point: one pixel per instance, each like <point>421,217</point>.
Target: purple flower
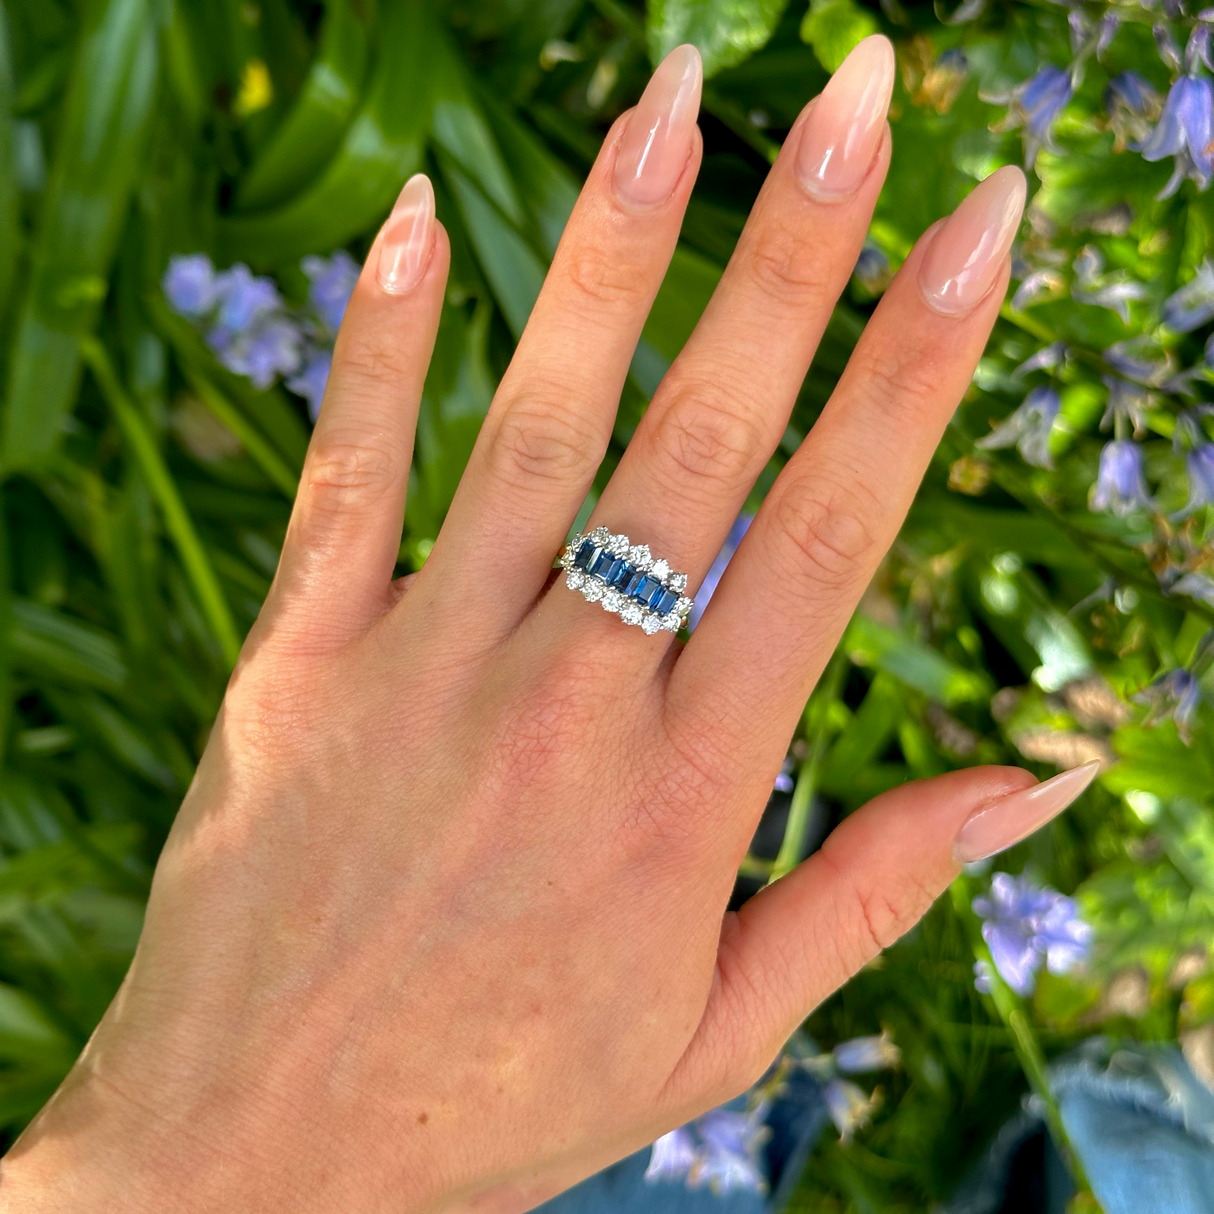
<point>1037,286</point>
<point>1127,403</point>
<point>1027,428</point>
<point>264,351</point>
<point>189,284</point>
<point>1046,359</point>
<point>311,381</point>
<point>1193,305</point>
<point>1165,44</point>
<point>1034,105</point>
<point>1024,925</point>
<point>1184,131</point>
<point>717,570</point>
<point>1113,291</point>
<point>784,780</point>
<point>1193,586</point>
<point>873,271</point>
<point>332,283</point>
<point>1197,52</point>
<point>849,1106</point>
<point>673,1155</point>
<point>1120,486</point>
<point>1174,696</point>
<point>1137,359</point>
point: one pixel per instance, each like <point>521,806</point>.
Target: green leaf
<point>51,645</point>
<point>725,31</point>
<point>27,1033</point>
<point>311,133</point>
<point>834,27</point>
<point>100,146</point>
<point>9,233</point>
<point>380,149</point>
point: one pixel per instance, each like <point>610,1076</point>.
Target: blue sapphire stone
<point>635,582</point>
<point>584,554</point>
<point>664,602</point>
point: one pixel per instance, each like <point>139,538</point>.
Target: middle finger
<point>725,402</point>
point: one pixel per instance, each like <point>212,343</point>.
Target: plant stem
<point>817,713</point>
<point>163,488</point>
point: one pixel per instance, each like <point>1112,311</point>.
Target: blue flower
<point>1197,52</point>
<point>1165,44</point>
<point>1174,696</point>
<point>1127,404</point>
<point>263,351</point>
<point>784,778</point>
<point>1034,105</point>
<point>190,286</point>
<point>1138,359</point>
<point>1199,463</point>
<point>332,283</point>
<point>243,298</point>
<point>1025,925</point>
<point>1120,486</point>
<point>863,1054</point>
<point>873,271</point>
<point>721,1149</point>
<point>849,1105</point>
<point>311,381</point>
<point>1193,305</point>
<point>717,569</point>
<point>1046,359</point>
<point>1184,131</point>
<point>1113,291</point>
<point>1027,428</point>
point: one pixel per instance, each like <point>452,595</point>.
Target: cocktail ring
<point>627,580</point>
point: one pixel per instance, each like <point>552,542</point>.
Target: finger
<point>876,875</point>
<point>548,428</point>
<point>835,509</point>
<point>725,402</point>
<point>335,573</point>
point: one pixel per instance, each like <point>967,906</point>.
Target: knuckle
<point>370,362</point>
<point>604,278</point>
<point>784,266</point>
<point>544,441</point>
<point>345,470</point>
<point>896,381</point>
<point>828,534</point>
<point>705,438</point>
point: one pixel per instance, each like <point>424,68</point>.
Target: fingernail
<point>841,135</point>
<point>1009,819</point>
<point>408,237</point>
<point>967,252</point>
<point>655,147</point>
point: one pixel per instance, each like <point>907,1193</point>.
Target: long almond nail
<point>840,136</point>
<point>655,147</point>
<point>1014,817</point>
<point>967,252</point>
<point>408,240</point>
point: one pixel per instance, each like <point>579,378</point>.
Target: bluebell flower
<point>189,284</point>
<point>1046,359</point>
<point>716,571</point>
<point>332,282</point>
<point>722,1149</point>
<point>312,379</point>
<point>873,271</point>
<point>1126,403</point>
<point>242,298</point>
<point>264,351</point>
<point>1027,428</point>
<point>861,1055</point>
<point>1113,291</point>
<point>1120,485</point>
<point>784,779</point>
<point>1193,305</point>
<point>1165,44</point>
<point>1131,105</point>
<point>1034,105</point>
<point>1197,51</point>
<point>850,1107</point>
<point>1184,131</point>
<point>1025,925</point>
<point>1036,287</point>
<point>1139,359</point>
<point>1193,586</point>
<point>1174,696</point>
<point>1199,463</point>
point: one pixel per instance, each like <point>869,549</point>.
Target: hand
<point>441,924</point>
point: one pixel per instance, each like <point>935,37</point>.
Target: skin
<point>441,925</point>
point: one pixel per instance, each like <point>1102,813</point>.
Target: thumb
<point>875,876</point>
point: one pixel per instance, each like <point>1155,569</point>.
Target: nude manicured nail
<point>1014,817</point>
<point>841,134</point>
<point>967,251</point>
<point>408,237</point>
<point>655,147</point>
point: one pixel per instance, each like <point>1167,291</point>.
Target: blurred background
<point>186,188</point>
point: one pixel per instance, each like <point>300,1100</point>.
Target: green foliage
<point>147,489</point>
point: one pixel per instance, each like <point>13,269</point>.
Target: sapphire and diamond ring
<point>627,580</point>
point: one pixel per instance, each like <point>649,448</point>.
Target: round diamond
<point>600,535</point>
<point>613,600</point>
<point>683,608</point>
<point>651,623</point>
<point>660,570</point>
<point>678,581</point>
<point>619,545</point>
<point>631,613</point>
<point>593,590</point>
<point>575,579</point>
<point>671,623</point>
<point>640,557</point>
<point>566,559</point>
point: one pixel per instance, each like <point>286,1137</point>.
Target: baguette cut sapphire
<point>585,554</point>
<point>599,566</point>
<point>664,602</point>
